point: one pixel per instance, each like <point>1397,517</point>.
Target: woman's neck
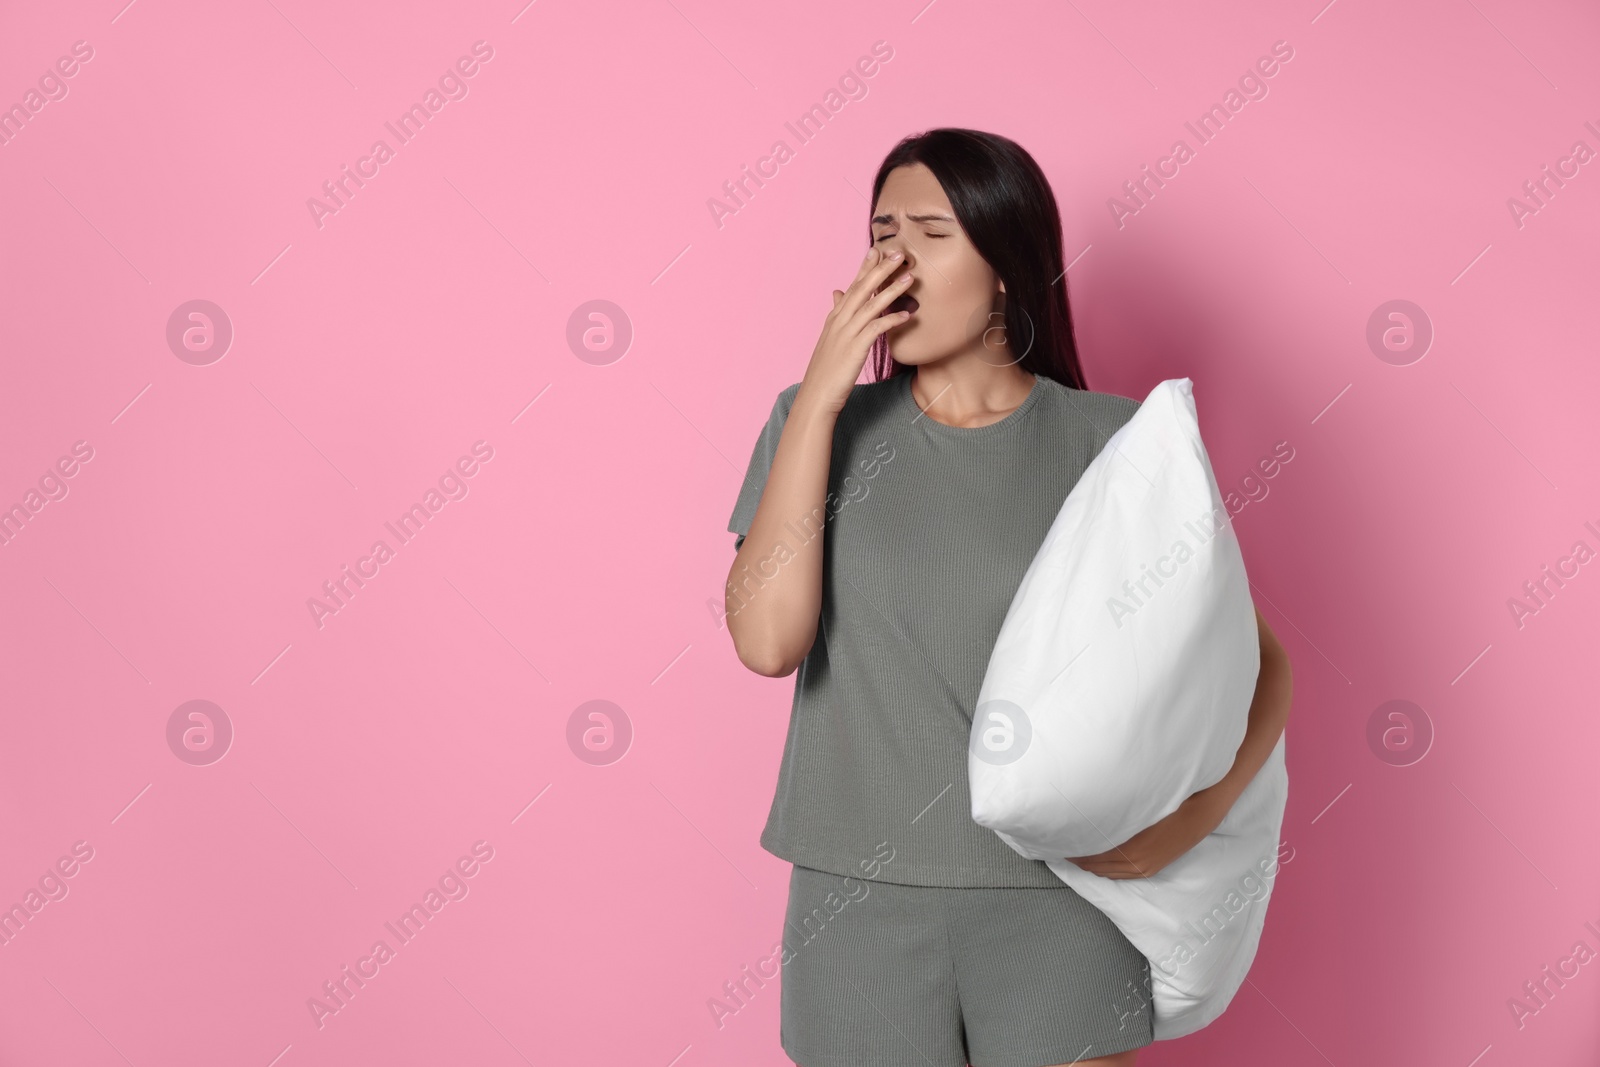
<point>967,392</point>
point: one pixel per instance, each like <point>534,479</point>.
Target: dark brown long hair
<point>1004,203</point>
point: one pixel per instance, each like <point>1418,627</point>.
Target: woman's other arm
<point>1157,845</point>
<point>1269,714</point>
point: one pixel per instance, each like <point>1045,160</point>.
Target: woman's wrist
<point>811,412</point>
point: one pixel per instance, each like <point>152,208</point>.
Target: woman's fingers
<point>882,299</point>
<point>874,258</point>
<point>885,323</point>
<point>862,288</point>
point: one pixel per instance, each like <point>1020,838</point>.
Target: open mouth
<point>903,302</point>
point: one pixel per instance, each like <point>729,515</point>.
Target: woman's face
<point>955,289</point>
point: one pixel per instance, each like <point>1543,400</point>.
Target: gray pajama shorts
<point>877,974</point>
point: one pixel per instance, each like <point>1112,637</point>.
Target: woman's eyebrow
<point>888,220</point>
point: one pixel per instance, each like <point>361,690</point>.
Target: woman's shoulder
<point>1097,406</point>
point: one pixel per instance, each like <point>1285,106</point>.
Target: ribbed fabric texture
<point>929,529</point>
<point>924,976</point>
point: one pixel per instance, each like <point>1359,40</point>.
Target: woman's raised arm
<point>774,588</point>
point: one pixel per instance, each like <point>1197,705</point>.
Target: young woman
<point>883,530</point>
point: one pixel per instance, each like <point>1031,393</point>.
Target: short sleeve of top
<point>755,475</point>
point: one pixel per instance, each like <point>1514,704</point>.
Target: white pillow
<point>1121,683</point>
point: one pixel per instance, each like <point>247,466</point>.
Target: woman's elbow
<point>768,667</point>
<point>765,655</point>
<point>764,659</point>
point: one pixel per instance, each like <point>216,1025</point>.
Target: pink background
<point>432,710</point>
